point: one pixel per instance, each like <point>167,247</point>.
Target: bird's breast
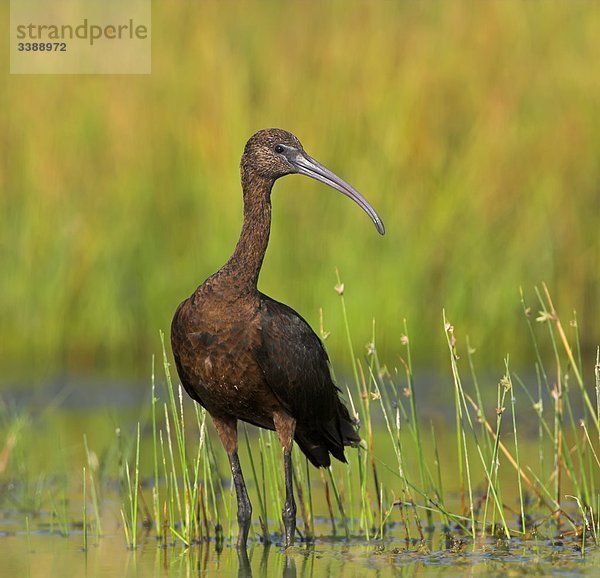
<point>215,349</point>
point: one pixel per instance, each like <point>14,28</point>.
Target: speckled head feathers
<point>266,153</point>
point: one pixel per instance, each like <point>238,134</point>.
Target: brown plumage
<point>244,356</point>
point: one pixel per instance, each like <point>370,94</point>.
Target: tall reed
<point>370,493</point>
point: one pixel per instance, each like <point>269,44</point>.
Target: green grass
<point>472,127</point>
<point>486,486</point>
<point>395,485</point>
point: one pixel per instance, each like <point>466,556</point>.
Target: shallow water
<point>46,468</point>
<point>42,552</point>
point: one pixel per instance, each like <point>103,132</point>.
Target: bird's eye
<point>279,149</point>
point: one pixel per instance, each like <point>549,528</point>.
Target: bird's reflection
<point>244,570</point>
<point>268,564</point>
<point>266,560</point>
<point>289,567</point>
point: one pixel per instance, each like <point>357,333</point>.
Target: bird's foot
<point>244,529</point>
<point>244,517</point>
<point>289,525</point>
<point>242,540</point>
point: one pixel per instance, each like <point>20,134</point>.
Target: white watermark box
<point>80,37</point>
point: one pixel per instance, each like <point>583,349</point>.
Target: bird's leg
<point>244,506</point>
<point>285,426</point>
<point>289,509</point>
<point>227,430</point>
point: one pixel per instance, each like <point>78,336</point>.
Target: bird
<point>245,357</point>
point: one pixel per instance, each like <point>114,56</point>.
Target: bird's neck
<point>243,268</point>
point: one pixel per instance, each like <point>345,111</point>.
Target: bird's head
<point>272,153</point>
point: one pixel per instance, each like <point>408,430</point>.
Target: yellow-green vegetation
<point>520,472</point>
<point>473,127</point>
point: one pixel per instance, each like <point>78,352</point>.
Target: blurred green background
<point>472,127</point>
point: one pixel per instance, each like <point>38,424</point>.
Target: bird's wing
<point>295,363</point>
<point>183,353</point>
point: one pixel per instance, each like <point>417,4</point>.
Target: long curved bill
<point>308,166</point>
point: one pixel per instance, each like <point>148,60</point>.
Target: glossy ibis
<point>244,356</point>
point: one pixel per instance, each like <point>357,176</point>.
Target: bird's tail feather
<point>318,441</point>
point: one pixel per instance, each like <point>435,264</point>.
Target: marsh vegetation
<point>508,476</point>
<point>473,128</point>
